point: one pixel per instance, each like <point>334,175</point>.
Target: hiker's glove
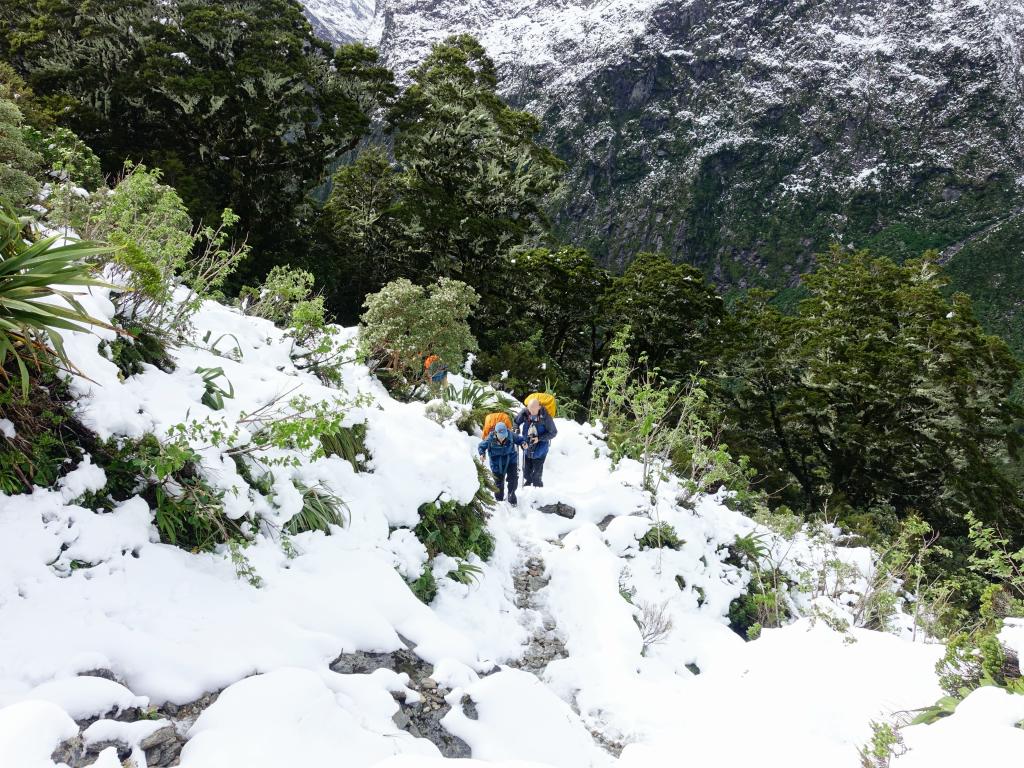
<point>534,440</point>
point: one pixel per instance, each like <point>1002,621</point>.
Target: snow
<point>982,731</point>
<point>82,591</point>
<point>30,731</point>
<point>511,704</point>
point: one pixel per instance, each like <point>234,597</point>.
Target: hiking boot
<point>499,497</point>
<point>512,499</point>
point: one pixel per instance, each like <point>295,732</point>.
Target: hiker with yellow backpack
<point>501,442</point>
<point>537,424</point>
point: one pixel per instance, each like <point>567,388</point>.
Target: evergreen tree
<point>238,103</point>
<point>545,325</point>
<point>474,179</point>
<point>880,396</point>
<point>672,309</point>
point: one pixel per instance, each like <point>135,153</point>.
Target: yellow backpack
<point>492,419</point>
<point>546,400</point>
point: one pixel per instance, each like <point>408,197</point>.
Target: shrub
<point>133,352</point>
<point>19,163</point>
<point>320,510</point>
<point>349,443</point>
<point>405,323</point>
<point>661,534</point>
<point>465,573</point>
<point>30,319</point>
<point>158,247</point>
<point>654,622</point>
<point>425,587</point>
<point>764,602</point>
<point>282,289</point>
<point>458,529</point>
<point>478,401</point>
<point>66,158</point>
<point>45,440</point>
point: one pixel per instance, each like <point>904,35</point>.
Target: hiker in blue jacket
<point>538,428</point>
<point>504,456</point>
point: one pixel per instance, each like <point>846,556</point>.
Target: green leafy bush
<point>283,288</point>
<point>157,247</point>
<point>133,352</point>
<point>458,529</point>
<point>320,510</point>
<point>659,535</point>
<point>349,443</point>
<point>764,601</point>
<point>425,587</point>
<point>405,323</point>
<point>479,401</point>
<point>19,162</point>
<point>31,276</point>
<point>46,439</point>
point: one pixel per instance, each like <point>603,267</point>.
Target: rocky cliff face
<point>744,135</point>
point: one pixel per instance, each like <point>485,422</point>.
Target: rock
<point>422,719</point>
<point>70,752</point>
<point>162,747</point>
<point>560,509</point>
<point>603,525</point>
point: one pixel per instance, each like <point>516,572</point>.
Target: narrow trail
<point>545,644</point>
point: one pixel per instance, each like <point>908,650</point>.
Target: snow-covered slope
<point>102,624</point>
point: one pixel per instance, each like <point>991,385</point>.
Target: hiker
<point>538,427</point>
<point>435,371</point>
<point>502,444</point>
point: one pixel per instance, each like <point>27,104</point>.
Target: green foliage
<point>478,401</point>
<point>349,443</point>
<point>20,163</point>
<point>32,275</point>
<point>243,568</point>
<point>671,310</point>
<point>465,573</point>
<point>46,440</point>
<point>321,509</point>
<point>239,103</point>
<point>458,529</point>
<point>886,743</point>
<point>189,513</point>
<point>214,393</point>
<point>149,214</point>
<point>66,158</point>
<point>468,183</point>
<point>544,322</point>
<point>659,535</point>
<point>633,403</point>
<point>878,393</point>
<point>476,180</point>
<point>283,288</point>
<point>425,587</point>
<point>131,353</point>
<point>158,247</point>
<point>405,323</point>
<point>764,603</point>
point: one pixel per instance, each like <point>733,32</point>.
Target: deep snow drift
<point>173,625</point>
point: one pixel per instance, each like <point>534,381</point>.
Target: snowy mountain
<point>341,21</point>
<point>745,135</point>
<point>572,646</point>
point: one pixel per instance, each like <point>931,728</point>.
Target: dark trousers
<point>512,474</point>
<point>533,472</point>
